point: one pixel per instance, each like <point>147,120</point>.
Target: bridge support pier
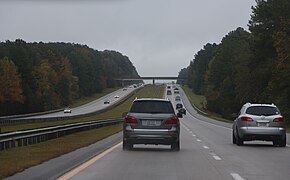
<point>153,81</point>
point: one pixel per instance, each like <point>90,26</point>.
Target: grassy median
<point>17,159</point>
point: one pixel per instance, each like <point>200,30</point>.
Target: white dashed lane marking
<point>205,147</point>
<point>237,176</point>
<point>198,140</point>
<point>216,157</point>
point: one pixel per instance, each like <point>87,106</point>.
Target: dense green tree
<point>11,93</point>
<point>198,67</point>
<point>249,66</point>
<point>10,82</point>
<point>269,25</point>
<point>55,74</point>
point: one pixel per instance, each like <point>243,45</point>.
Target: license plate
<point>263,124</point>
<point>151,123</point>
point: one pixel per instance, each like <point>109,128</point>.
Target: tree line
<point>247,66</point>
<point>44,76</point>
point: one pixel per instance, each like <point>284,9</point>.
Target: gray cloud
<point>159,36</point>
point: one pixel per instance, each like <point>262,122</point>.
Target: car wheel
<point>282,141</point>
<point>234,138</point>
<point>276,142</point>
<point>175,146</point>
<point>239,140</point>
<point>127,145</point>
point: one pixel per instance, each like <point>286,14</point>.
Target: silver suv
<point>259,122</point>
<point>151,121</point>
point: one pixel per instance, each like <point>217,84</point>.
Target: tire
<point>175,146</point>
<point>127,146</point>
<point>234,138</point>
<point>276,142</point>
<point>282,141</point>
<point>239,140</point>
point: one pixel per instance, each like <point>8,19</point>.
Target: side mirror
<point>179,115</point>
<point>124,114</point>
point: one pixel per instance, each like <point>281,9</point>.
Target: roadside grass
<point>85,100</point>
<point>147,91</point>
<point>18,159</point>
<point>200,102</point>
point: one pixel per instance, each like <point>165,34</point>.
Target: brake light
<point>280,119</point>
<point>131,120</point>
<point>245,118</point>
<point>172,120</point>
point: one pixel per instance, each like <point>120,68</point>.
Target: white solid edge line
<point>287,145</point>
<point>81,167</point>
<point>237,176</point>
<point>210,123</point>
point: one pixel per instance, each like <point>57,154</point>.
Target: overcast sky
<point>159,36</point>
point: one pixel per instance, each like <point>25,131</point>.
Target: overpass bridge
<point>153,78</point>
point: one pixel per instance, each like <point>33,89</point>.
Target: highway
<point>206,153</point>
<point>93,106</point>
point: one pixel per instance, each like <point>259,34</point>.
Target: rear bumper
<point>261,133</point>
<point>141,136</point>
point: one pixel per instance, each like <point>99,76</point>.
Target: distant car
<point>182,111</point>
<point>176,92</point>
<point>107,101</point>
<point>116,96</point>
<point>67,110</point>
<point>124,89</point>
<point>169,92</point>
<point>178,106</point>
<point>259,122</point>
<point>168,87</point>
<point>176,89</point>
<point>151,121</point>
<point>177,98</point>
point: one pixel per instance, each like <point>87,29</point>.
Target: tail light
<point>280,119</point>
<point>131,120</point>
<point>172,120</point>
<point>245,118</point>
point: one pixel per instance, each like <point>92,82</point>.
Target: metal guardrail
<point>28,137</point>
<point>30,114</point>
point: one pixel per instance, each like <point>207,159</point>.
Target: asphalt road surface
<point>206,153</point>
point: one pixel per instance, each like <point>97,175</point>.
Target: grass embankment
<point>17,159</point>
<point>200,102</point>
<point>85,100</point>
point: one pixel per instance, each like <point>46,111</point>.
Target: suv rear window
<point>262,110</point>
<point>162,107</point>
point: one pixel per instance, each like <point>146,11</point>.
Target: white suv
<point>259,122</point>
